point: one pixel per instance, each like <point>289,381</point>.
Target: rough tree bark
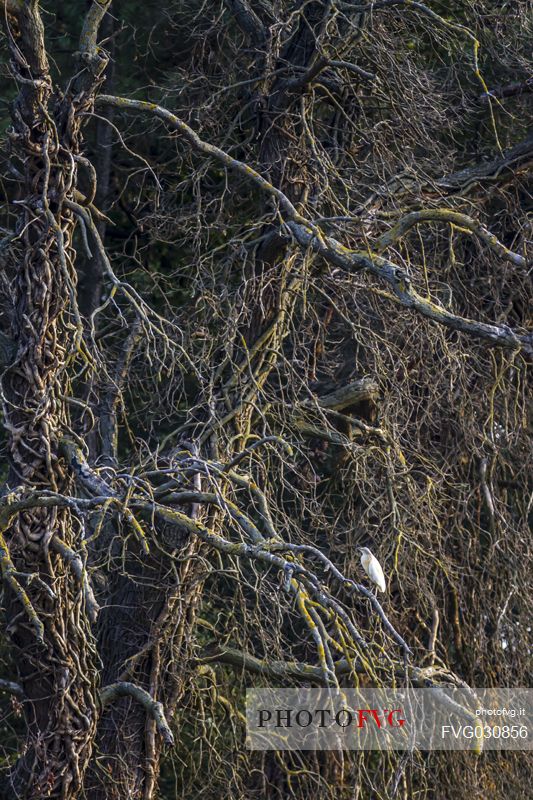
<point>49,621</point>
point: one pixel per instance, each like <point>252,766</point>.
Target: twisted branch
<point>311,237</point>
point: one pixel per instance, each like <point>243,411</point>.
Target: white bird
<point>372,567</point>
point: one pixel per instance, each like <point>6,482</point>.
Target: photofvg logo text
<point>383,719</point>
<point>327,717</point>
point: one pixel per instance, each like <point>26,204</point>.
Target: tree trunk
<point>58,662</point>
<point>144,638</point>
<point>50,624</point>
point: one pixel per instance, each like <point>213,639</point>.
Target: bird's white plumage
<point>373,569</point>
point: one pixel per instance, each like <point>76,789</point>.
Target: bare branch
<point>153,708</point>
<point>207,149</point>
<point>248,21</point>
<point>74,559</point>
<point>354,392</point>
<point>515,89</point>
<point>108,416</point>
<point>309,236</point>
<point>9,576</point>
<point>455,218</point>
<point>517,159</point>
<point>91,24</point>
<point>297,670</point>
<point>369,76</point>
<point>399,281</point>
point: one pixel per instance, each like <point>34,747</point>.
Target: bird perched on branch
<point>372,567</point>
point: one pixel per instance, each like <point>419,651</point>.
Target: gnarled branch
<point>153,708</point>
<point>309,236</point>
